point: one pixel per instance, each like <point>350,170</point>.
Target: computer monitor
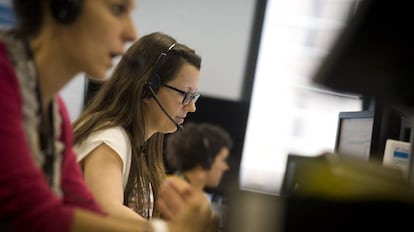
<point>355,134</point>
<point>295,164</point>
<point>317,193</point>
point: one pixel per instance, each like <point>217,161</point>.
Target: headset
<point>154,83</point>
<point>209,155</point>
<point>65,11</point>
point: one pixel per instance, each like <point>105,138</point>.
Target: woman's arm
<point>191,216</point>
<point>26,201</point>
<point>75,191</point>
<point>86,221</point>
<point>102,170</point>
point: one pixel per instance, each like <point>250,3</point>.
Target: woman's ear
<point>145,100</point>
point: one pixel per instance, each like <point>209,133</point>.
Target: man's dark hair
<point>196,144</point>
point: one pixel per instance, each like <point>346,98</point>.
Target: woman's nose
<point>130,32</point>
<point>191,107</point>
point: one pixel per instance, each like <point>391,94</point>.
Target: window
<point>288,113</point>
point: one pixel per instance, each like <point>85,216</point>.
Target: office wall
<point>218,30</point>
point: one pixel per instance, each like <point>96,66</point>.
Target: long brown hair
<point>119,103</point>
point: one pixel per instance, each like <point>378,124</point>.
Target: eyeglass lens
<point>188,97</point>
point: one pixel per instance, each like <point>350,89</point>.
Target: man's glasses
<point>188,96</point>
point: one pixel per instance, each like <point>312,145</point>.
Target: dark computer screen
<point>295,166</point>
<point>316,195</point>
<point>354,134</point>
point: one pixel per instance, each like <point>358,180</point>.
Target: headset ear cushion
<point>156,82</point>
<point>209,156</point>
<point>146,92</point>
<point>65,11</point>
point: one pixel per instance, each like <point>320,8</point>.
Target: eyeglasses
<point>188,96</point>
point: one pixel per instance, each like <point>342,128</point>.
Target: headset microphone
<point>179,127</point>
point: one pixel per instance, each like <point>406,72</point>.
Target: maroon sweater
<point>27,203</point>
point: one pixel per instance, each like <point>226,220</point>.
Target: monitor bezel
<point>353,115</point>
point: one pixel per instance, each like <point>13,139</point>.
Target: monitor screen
<point>354,135</point>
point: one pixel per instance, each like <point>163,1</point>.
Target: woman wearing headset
<point>41,186</point>
<point>119,136</point>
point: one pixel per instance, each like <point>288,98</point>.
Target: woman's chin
<point>97,74</point>
<point>171,130</point>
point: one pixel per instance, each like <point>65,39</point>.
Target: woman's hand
<point>185,208</point>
